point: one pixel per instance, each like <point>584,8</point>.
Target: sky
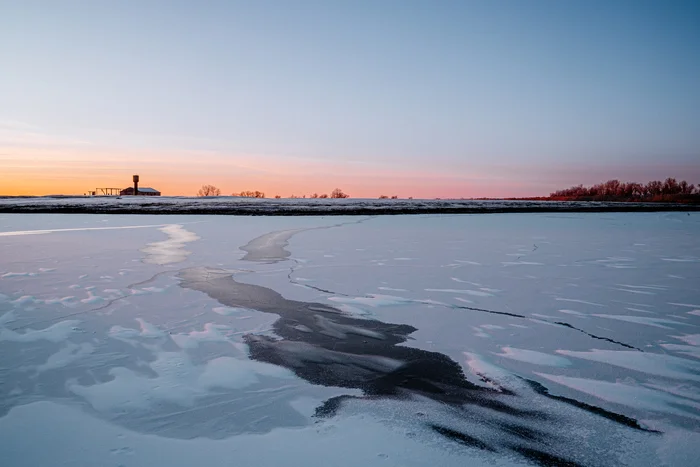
<point>422,98</point>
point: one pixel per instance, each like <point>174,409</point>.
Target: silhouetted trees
<point>250,194</point>
<point>337,193</point>
<point>209,190</point>
<point>613,190</point>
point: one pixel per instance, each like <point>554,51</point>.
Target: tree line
<point>211,190</point>
<point>670,190</point>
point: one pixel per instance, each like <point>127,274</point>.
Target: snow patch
<point>55,333</point>
<point>372,300</point>
<point>177,381</point>
<point>65,356</point>
<point>573,300</point>
<point>534,357</point>
<point>692,339</point>
<point>84,229</point>
<point>666,366</point>
<point>171,250</point>
<point>656,322</point>
<point>637,397</point>
<point>146,331</point>
<point>9,275</point>
<point>211,333</point>
<point>489,374</point>
<point>475,293</point>
<point>572,312</point>
<point>228,311</point>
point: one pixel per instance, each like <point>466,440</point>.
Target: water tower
<point>136,185</point>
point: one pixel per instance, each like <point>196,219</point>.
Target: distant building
<point>142,192</point>
<point>131,191</point>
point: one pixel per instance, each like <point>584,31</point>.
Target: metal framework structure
<point>108,191</point>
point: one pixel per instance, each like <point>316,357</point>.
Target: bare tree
<point>394,197</point>
<point>383,197</point>
<point>209,190</point>
<point>250,194</point>
<point>315,195</point>
<point>338,193</point>
<point>323,196</point>
<point>277,196</point>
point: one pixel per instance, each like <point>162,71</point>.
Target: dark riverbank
<point>311,207</point>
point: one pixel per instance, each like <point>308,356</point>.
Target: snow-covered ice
<point>501,339</point>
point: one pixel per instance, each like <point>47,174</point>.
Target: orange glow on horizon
<point>32,172</point>
<point>171,186</point>
<point>41,171</point>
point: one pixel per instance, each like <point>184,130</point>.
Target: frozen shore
<point>228,205</point>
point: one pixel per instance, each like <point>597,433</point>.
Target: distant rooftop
<point>147,190</point>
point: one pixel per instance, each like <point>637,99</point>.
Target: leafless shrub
<point>338,193</point>
<point>209,190</point>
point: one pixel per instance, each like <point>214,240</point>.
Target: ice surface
<point>86,229</point>
<point>656,322</point>
<point>54,333</point>
<point>64,357</point>
<point>498,340</point>
<point>348,442</point>
<point>476,293</point>
<point>652,363</point>
<point>534,357</point>
<point>227,311</point>
<point>633,396</point>
<point>688,350</point>
<point>372,300</point>
<point>211,333</point>
<point>692,339</point>
<point>147,330</point>
<point>177,381</point>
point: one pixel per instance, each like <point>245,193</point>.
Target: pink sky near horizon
<point>52,169</point>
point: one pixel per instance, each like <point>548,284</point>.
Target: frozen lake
<point>501,339</point>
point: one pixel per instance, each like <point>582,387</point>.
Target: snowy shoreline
<point>300,207</point>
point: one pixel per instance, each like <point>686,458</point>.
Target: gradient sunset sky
<point>415,98</point>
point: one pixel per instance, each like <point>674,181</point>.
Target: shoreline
<point>316,207</point>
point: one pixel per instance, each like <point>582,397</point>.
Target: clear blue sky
<point>465,98</point>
